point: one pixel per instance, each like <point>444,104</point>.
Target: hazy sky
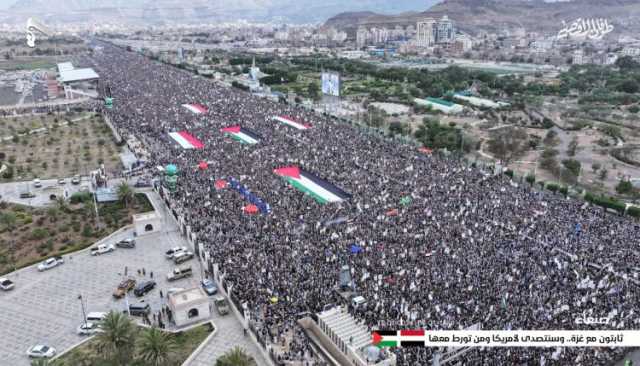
<point>6,3</point>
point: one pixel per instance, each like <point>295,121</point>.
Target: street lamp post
<point>84,314</point>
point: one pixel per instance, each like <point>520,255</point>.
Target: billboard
<point>331,84</point>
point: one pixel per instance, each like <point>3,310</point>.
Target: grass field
<point>186,343</point>
<point>28,63</point>
<point>66,145</point>
<point>29,235</point>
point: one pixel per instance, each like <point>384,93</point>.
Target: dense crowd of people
<point>464,247</point>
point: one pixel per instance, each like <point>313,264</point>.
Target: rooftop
<point>65,66</point>
<point>77,75</point>
<point>187,296</point>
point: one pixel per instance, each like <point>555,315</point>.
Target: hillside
<point>474,16</point>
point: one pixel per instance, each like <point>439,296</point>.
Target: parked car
<point>221,304</point>
<point>50,263</point>
<point>209,287</point>
<point>62,181</point>
<point>6,284</point>
<point>173,251</point>
<point>89,328</point>
<point>102,248</point>
<point>27,195</point>
<point>126,243</point>
<point>37,183</point>
<point>96,316</point>
<point>178,273</point>
<point>143,287</point>
<point>139,309</point>
<point>182,257</point>
<point>75,180</point>
<point>41,351</point>
<point>142,182</point>
<point>124,287</point>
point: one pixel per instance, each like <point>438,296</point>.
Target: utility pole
<point>84,314</point>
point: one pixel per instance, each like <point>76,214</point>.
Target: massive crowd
<point>470,248</point>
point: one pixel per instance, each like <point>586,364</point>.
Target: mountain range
<point>197,11</point>
<point>475,16</point>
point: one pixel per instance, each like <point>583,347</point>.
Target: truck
<point>221,304</point>
<point>179,272</point>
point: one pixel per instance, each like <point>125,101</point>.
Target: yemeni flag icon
<point>403,338</point>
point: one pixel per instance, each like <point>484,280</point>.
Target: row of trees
<point>122,343</point>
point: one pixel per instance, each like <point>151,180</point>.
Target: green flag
<point>405,201</point>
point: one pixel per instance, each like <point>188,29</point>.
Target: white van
<point>96,316</point>
<point>358,301</point>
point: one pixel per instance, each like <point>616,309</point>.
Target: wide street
<point>44,306</point>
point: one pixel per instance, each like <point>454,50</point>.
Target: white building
<point>189,306</point>
<point>631,51</point>
<point>440,105</point>
<point>426,32</point>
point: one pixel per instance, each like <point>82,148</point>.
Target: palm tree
<point>117,339</point>
<point>236,357</point>
<point>156,347</point>
<point>125,193</point>
<point>40,362</point>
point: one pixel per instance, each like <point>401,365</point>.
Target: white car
<point>89,328</point>
<point>102,248</point>
<point>41,351</point>
<point>6,284</point>
<point>174,251</point>
<point>50,263</point>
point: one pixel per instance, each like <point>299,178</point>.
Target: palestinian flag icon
<point>241,134</point>
<point>289,121</point>
<point>186,140</point>
<point>196,108</point>
<point>318,188</point>
<point>403,338</point>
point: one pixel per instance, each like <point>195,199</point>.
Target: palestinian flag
<point>394,338</point>
<point>196,108</point>
<point>318,188</point>
<point>186,140</point>
<point>241,134</point>
<point>289,121</point>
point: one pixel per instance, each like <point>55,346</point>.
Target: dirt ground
<point>38,233</point>
<point>63,146</point>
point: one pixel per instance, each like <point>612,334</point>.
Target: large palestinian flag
<point>186,140</point>
<point>289,121</point>
<point>196,108</point>
<point>318,188</point>
<point>241,134</point>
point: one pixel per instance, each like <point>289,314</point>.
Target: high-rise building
<point>431,31</point>
<point>362,37</point>
<point>426,32</point>
<point>445,30</point>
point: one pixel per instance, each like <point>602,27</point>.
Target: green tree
<point>313,89</point>
<point>40,362</point>
<point>603,174</point>
<point>508,143</point>
<point>125,193</point>
<point>624,187</point>
<point>116,342</point>
<point>573,166</point>
<point>573,146</point>
<point>236,357</point>
<point>596,166</point>
<point>8,219</point>
<point>156,347</point>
